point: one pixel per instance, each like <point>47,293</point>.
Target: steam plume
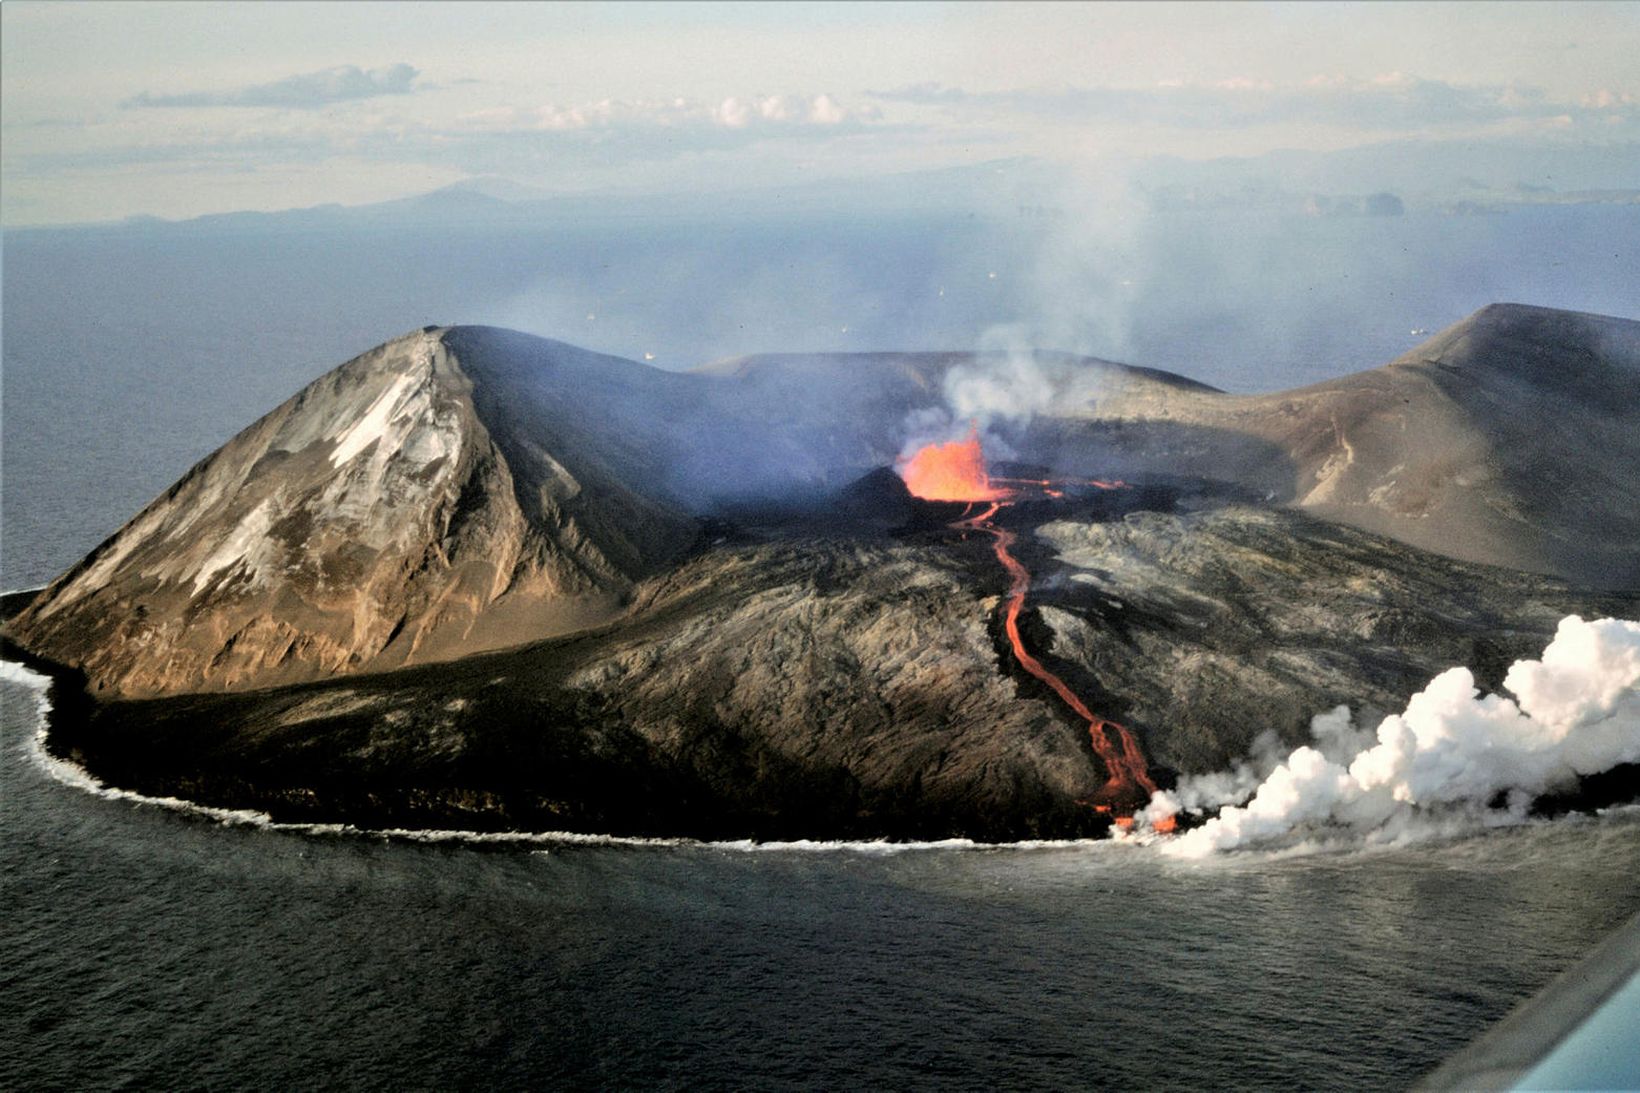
<point>1005,381</point>
<point>1576,712</point>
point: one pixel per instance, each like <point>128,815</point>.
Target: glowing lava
<point>1126,772</point>
<point>951,472</point>
<point>956,472</point>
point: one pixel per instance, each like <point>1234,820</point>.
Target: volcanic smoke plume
<point>1453,750</point>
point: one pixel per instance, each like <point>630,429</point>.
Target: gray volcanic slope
<point>405,507</point>
<point>1512,438</point>
<point>452,491</point>
<point>857,684</point>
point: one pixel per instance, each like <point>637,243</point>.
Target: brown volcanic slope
<point>455,490</point>
<point>1512,438</point>
<point>409,506</point>
<point>781,684</point>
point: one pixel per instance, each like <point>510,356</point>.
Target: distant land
<point>1377,180</point>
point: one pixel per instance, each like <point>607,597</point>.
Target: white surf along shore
<point>1437,770</point>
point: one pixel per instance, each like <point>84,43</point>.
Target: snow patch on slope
<point>248,543</point>
<point>372,424</point>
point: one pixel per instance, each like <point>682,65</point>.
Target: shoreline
<point>66,772</point>
<point>69,773</point>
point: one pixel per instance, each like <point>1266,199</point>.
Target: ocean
<point>148,946</point>
<point>151,948</point>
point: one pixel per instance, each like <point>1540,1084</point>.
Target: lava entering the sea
<point>956,472</point>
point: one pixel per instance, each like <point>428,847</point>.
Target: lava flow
<point>956,472</point>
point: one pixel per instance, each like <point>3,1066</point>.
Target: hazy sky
<point>182,109</point>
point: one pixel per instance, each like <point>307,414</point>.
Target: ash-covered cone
<point>417,503</point>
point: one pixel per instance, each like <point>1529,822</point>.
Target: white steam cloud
<point>1006,380</point>
<point>1576,712</point>
<point>1075,295</point>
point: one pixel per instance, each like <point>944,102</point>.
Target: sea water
<point>151,947</point>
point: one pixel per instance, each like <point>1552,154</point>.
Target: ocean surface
<point>145,946</point>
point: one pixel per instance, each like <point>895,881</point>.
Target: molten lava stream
<point>955,471</point>
<point>1125,766</point>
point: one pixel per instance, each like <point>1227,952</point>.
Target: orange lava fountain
<point>956,472</point>
<point>951,472</point>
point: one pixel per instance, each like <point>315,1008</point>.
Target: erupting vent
<point>951,472</point>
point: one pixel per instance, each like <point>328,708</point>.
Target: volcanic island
<point>479,580</point>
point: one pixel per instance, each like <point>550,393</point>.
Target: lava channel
<point>956,472</point>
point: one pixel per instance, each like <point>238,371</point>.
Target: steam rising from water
<point>1453,751</point>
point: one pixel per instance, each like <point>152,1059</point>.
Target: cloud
<point>613,130</point>
<point>1394,102</point>
<point>926,93</point>
<point>308,91</point>
<point>590,136</point>
<point>1607,99</point>
<point>753,114</point>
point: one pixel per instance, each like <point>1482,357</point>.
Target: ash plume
<point>1452,752</point>
<point>1075,285</point>
<point>1003,381</point>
